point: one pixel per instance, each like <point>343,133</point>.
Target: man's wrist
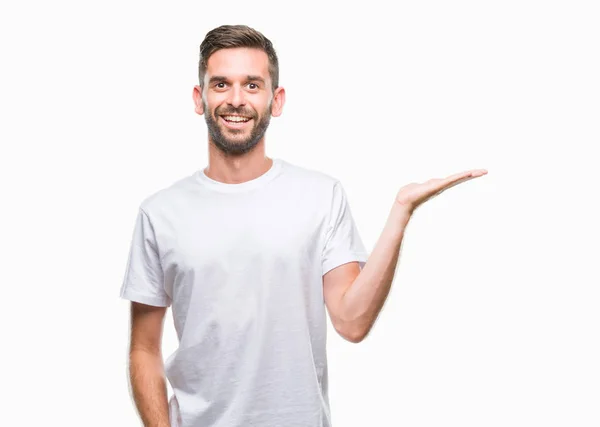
<point>398,219</point>
<point>401,212</point>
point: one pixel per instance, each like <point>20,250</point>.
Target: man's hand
<point>411,196</point>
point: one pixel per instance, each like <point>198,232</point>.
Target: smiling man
<point>249,252</point>
<point>239,92</point>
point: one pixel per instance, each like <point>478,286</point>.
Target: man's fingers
<point>464,176</point>
<point>458,178</point>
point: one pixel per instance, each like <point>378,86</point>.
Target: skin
<point>237,155</point>
<point>146,366</point>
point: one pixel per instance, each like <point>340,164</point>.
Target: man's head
<point>238,89</point>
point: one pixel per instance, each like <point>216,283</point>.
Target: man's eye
<point>220,85</point>
<point>253,84</point>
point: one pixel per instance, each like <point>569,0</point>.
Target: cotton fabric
<point>241,266</point>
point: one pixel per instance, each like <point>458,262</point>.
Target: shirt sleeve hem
<point>153,300</point>
<point>361,257</point>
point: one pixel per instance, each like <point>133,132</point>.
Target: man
<point>248,252</point>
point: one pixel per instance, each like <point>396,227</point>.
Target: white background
<point>493,318</point>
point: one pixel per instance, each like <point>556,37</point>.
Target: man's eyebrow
<point>256,78</point>
<point>215,79</point>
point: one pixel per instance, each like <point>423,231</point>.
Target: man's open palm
<point>411,196</point>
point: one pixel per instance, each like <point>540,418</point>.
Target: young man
<point>248,252</point>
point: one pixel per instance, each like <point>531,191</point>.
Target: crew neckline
<point>257,182</point>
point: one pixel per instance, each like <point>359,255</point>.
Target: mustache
<point>235,112</point>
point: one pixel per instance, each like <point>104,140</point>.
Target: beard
<point>236,146</point>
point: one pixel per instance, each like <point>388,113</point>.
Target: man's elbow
<point>352,328</point>
<point>353,335</point>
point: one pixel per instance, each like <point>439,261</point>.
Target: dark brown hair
<point>230,36</point>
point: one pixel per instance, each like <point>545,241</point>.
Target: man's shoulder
<point>308,175</point>
<point>169,195</point>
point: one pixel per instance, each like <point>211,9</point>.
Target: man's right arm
<point>146,367</point>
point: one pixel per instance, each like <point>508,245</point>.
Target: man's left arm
<point>354,297</point>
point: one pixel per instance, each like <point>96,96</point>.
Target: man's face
<point>237,99</point>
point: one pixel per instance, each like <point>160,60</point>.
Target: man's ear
<point>197,96</point>
<point>278,102</point>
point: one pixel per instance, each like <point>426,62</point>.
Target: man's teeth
<point>236,118</point>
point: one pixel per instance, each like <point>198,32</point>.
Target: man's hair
<point>231,36</point>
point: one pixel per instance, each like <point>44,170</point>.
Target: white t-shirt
<point>242,266</point>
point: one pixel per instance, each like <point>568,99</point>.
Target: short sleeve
<point>343,243</point>
<point>143,280</point>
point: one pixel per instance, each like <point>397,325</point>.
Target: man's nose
<point>236,96</point>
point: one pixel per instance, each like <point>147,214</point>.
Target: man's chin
<point>234,144</point>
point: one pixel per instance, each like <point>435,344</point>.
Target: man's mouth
<point>236,119</point>
<point>235,122</point>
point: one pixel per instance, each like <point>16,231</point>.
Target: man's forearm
<point>364,299</point>
<point>149,387</point>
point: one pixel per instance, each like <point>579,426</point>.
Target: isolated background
<point>493,317</point>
